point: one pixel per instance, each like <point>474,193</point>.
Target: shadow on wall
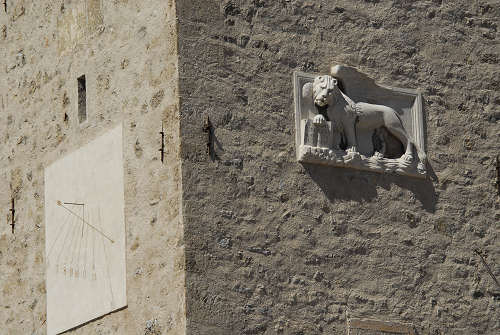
<point>347,184</point>
<point>212,141</point>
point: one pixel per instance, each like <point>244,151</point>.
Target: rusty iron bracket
<point>498,174</point>
<point>12,218</point>
<point>162,149</point>
<point>208,128</point>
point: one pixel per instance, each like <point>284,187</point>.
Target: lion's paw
<point>407,157</point>
<point>352,156</point>
<point>319,120</point>
<point>421,168</point>
<point>352,151</point>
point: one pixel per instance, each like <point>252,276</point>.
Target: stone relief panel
<point>345,119</point>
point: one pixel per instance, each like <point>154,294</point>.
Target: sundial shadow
<point>93,320</point>
<point>349,184</point>
<point>214,145</point>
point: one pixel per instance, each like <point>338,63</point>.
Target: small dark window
<point>5,5</point>
<point>82,99</point>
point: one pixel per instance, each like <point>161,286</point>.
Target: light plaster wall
<point>128,52</point>
<point>276,247</point>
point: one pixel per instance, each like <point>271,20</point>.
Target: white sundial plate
<point>85,234</point>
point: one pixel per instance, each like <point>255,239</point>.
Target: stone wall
<point>276,247</point>
<point>128,52</point>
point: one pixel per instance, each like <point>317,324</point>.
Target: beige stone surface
<point>85,233</point>
<point>130,64</point>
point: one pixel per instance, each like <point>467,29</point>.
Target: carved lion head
<point>323,89</point>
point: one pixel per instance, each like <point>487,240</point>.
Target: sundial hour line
<point>77,204</point>
<point>59,203</point>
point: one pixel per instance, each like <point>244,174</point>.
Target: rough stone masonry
<point>276,247</point>
<point>126,53</point>
<point>244,239</point>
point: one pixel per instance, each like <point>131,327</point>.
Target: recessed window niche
<point>82,99</point>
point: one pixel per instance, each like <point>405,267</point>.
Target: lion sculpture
<point>347,116</point>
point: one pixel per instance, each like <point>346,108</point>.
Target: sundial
<point>85,233</point>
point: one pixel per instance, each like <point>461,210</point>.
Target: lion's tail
<point>421,154</point>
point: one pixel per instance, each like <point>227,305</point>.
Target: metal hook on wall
<point>208,128</point>
<point>498,174</point>
<point>162,149</point>
<point>12,216</point>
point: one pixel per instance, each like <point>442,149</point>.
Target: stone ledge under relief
<point>341,158</point>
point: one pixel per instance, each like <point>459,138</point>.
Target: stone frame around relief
<point>361,88</point>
